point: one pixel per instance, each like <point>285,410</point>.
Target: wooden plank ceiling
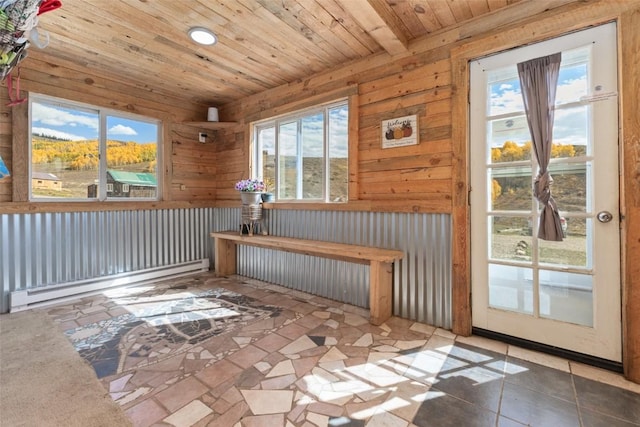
<point>262,43</point>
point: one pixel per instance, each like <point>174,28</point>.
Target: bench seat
<point>380,262</point>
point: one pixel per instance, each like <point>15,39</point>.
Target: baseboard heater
<point>30,298</point>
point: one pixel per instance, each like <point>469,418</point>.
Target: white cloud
<point>571,90</point>
<point>56,134</point>
<point>341,113</point>
<point>507,101</point>
<point>570,126</point>
<point>52,116</point>
<point>122,130</point>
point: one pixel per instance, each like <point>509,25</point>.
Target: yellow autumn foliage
<point>83,155</point>
<point>496,190</point>
<point>512,152</point>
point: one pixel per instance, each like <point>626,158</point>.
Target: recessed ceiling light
<point>202,36</point>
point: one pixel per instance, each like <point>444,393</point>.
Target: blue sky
<point>312,133</point>
<point>78,125</point>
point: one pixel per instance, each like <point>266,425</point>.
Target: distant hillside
<point>312,170</point>
<point>83,155</point>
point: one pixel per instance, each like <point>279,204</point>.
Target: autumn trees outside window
<point>90,152</point>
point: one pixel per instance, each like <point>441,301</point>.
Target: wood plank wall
<point>191,168</point>
<point>412,178</point>
<point>5,145</point>
<point>630,121</point>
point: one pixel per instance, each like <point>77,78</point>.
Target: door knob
<point>604,216</point>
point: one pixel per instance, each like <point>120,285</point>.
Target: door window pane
<point>511,288</point>
<point>510,238</point>
<point>570,137</point>
<point>566,296</point>
<point>511,137</point>
<point>569,188</point>
<point>573,250</point>
<point>511,188</point>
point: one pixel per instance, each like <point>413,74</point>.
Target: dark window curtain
<point>539,81</point>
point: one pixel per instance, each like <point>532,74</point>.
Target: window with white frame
<point>88,149</point>
<point>304,155</point>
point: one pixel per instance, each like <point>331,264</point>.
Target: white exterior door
<point>564,294</point>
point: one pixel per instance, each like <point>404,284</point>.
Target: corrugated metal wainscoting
<point>422,279</point>
<point>44,249</point>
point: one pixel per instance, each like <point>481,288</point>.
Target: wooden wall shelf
<point>211,125</point>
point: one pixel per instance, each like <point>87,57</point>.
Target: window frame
<point>256,164</point>
<point>103,113</point>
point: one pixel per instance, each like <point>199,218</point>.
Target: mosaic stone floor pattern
<point>235,352</point>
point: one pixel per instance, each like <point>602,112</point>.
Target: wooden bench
<point>380,262</point>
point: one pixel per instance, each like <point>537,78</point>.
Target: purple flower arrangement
<point>250,185</point>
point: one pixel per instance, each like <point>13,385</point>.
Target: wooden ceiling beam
<point>380,22</point>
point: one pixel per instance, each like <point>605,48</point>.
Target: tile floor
<point>235,352</point>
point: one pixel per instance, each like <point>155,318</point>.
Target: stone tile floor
<point>231,352</point>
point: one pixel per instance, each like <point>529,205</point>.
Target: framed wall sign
<point>400,131</point>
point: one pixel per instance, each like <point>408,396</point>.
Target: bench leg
<point>380,291</point>
<point>225,257</point>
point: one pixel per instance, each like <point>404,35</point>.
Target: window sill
<point>355,205</point>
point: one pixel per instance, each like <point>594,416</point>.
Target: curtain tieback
<point>541,187</point>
